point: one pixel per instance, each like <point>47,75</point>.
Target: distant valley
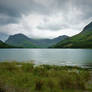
<point>21,40</point>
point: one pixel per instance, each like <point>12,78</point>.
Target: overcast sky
<point>44,18</point>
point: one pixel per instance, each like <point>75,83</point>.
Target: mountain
<point>81,40</point>
<point>3,45</point>
<point>44,43</point>
<point>20,40</point>
<point>88,28</point>
<point>3,36</point>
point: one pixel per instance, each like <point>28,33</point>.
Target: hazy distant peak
<point>20,34</point>
<point>63,36</point>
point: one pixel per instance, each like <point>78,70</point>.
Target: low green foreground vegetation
<point>27,77</point>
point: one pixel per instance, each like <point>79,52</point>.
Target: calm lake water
<point>79,57</point>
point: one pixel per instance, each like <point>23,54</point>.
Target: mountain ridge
<point>88,27</point>
<point>22,40</point>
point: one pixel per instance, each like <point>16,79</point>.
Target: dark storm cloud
<point>85,6</point>
<point>6,19</point>
<point>14,9</point>
<point>74,11</point>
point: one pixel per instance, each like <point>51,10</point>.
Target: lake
<point>79,57</point>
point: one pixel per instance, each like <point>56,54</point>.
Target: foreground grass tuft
<point>26,77</point>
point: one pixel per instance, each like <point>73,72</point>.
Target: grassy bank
<point>27,77</point>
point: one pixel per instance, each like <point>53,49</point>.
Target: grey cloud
<point>50,27</point>
<point>85,6</point>
<point>16,8</point>
<point>75,14</point>
<point>6,19</point>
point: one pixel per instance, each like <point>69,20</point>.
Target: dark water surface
<point>79,57</point>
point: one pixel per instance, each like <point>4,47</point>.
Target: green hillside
<point>3,45</point>
<point>45,43</point>
<point>81,40</point>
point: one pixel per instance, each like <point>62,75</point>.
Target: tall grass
<point>26,77</point>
